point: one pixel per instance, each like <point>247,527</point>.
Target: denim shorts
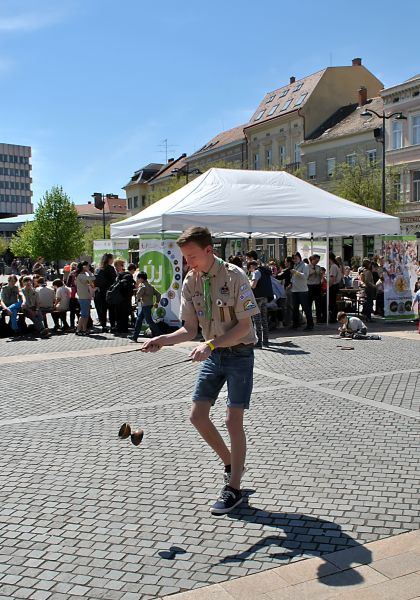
<point>232,366</point>
<point>84,308</point>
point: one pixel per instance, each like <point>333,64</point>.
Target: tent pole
<point>327,259</point>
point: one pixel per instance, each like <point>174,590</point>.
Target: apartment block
<point>15,180</point>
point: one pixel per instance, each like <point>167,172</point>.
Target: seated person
<point>46,298</point>
<point>11,301</point>
<point>30,307</point>
<point>350,326</point>
<point>61,305</point>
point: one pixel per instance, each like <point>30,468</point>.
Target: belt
<point>230,348</point>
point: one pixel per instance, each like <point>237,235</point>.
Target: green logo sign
<point>159,270</point>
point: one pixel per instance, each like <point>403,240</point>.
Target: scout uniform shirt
<point>146,293</point>
<point>231,300</point>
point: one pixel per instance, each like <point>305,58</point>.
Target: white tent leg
<point>327,258</point>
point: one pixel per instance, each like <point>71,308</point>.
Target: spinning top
<point>135,436</point>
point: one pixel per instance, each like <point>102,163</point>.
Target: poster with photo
<point>161,259</point>
<point>319,247</point>
<point>400,275</point>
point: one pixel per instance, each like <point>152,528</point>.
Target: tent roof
<point>263,202</point>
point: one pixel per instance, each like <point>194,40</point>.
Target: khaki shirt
<point>232,300</point>
<point>146,293</point>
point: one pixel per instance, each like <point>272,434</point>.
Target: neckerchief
<point>206,278</point>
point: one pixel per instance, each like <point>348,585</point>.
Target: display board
<point>117,247</point>
<point>400,275</point>
<point>319,247</point>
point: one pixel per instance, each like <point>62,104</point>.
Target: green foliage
<point>57,231</point>
<point>362,183</point>
<point>4,244</point>
<point>23,242</point>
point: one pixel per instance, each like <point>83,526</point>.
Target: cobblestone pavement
<point>332,463</point>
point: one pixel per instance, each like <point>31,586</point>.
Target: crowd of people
<point>111,287</point>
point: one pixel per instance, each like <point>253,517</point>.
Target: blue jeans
<point>145,313</point>
<point>233,366</point>
<point>14,309</point>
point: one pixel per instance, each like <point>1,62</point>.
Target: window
<point>272,110</point>
<point>312,170</point>
<point>371,157</point>
<point>416,186</point>
<point>351,159</point>
<point>282,155</point>
<point>415,129</point>
<point>256,161</point>
<point>135,202</point>
<point>271,98</point>
<point>143,201</point>
<point>287,104</point>
<point>396,134</point>
<point>259,115</point>
<point>297,88</point>
<point>330,167</point>
<point>396,187</point>
<point>297,153</point>
<point>129,203</point>
<point>268,157</point>
<point>284,93</point>
<point>300,99</point>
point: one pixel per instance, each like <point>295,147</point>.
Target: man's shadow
<point>302,535</point>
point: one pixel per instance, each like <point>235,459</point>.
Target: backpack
<point>114,294</point>
<point>100,279</point>
<point>264,287</point>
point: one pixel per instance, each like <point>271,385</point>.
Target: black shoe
<point>227,501</point>
<point>132,338</point>
<point>105,330</point>
<point>308,328</point>
<point>266,344</point>
<point>258,345</point>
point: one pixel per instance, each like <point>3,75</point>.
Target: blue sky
<point>95,86</point>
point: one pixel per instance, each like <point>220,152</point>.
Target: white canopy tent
<point>239,203</point>
<point>264,203</point>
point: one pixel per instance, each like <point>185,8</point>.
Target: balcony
<point>291,167</point>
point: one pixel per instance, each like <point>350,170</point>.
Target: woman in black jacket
<point>126,285</point>
<point>105,276</point>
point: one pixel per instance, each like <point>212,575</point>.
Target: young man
<point>300,292</point>
<point>147,297</point>
<point>30,307</point>
<point>263,291</point>
<point>217,296</point>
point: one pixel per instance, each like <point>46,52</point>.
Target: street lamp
<point>398,116</point>
<point>99,202</point>
<point>185,171</point>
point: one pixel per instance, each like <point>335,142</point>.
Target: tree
<point>362,183</point>
<point>96,232</point>
<point>4,244</point>
<point>57,232</point>
<point>22,242</point>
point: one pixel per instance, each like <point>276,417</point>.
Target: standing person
<point>105,276</point>
<point>314,286</point>
<point>416,300</point>
<point>286,277</point>
<point>39,267</point>
<point>126,285</point>
<point>145,296</point>
<point>334,285</point>
<point>367,283</point>
<point>217,296</point>
<point>74,303</point>
<point>300,292</point>
<point>84,281</point>
<point>263,293</point>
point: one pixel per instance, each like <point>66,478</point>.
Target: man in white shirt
<point>300,292</point>
<point>46,297</point>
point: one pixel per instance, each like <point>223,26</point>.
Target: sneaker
<point>258,345</point>
<point>227,501</point>
<point>227,476</point>
<point>132,338</point>
<point>105,330</point>
<point>81,333</point>
<point>266,344</point>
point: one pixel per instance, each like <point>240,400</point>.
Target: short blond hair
<point>119,262</point>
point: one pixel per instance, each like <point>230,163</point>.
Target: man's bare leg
<point>235,426</point>
<point>200,418</point>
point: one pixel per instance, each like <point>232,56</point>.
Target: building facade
<point>137,188</point>
<point>403,148</point>
<point>15,180</point>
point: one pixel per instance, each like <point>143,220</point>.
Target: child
<point>350,326</point>
<point>416,300</point>
<point>145,301</point>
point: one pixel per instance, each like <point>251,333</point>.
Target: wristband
<point>211,346</point>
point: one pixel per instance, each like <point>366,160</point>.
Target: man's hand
<point>152,345</point>
<point>200,352</point>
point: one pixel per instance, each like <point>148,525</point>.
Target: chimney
<point>356,62</point>
<point>362,91</point>
<point>170,160</point>
<point>292,79</point>
<point>183,155</point>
